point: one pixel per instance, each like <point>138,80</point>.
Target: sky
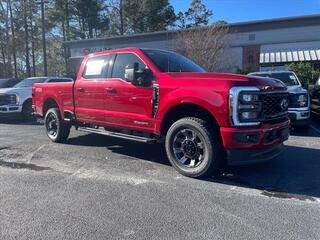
<point>248,10</point>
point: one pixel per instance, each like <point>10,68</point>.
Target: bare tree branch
<point>205,46</point>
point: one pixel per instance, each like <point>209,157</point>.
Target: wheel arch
<point>185,110</point>
<point>27,101</point>
<point>48,103</point>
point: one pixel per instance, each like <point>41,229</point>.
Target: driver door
<point>127,105</point>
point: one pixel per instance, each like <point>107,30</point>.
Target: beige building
<point>258,45</point>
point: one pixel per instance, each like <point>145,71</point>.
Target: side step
<point>118,135</point>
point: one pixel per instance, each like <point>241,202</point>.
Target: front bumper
<point>7,109</point>
<point>10,112</point>
<point>299,115</point>
<point>250,156</point>
<point>255,144</point>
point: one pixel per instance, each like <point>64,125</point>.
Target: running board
<point>118,135</point>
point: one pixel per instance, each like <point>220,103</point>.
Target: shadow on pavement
<point>148,152</point>
<point>19,122</point>
<point>296,171</point>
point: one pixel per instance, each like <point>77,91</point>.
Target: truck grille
<point>274,105</point>
<point>7,99</point>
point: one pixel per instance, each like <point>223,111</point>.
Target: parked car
<point>315,98</point>
<point>299,101</point>
<point>150,95</point>
<point>16,102</point>
<point>8,83</point>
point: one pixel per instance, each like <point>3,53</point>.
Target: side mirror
<point>138,77</point>
<point>305,85</point>
<point>130,73</point>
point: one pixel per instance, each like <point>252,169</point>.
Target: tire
<point>27,111</point>
<point>57,130</point>
<point>194,147</point>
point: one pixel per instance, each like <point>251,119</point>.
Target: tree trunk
<point>67,36</point>
<point>121,18</point>
<point>8,49</point>
<point>14,50</point>
<point>45,67</point>
<point>26,36</point>
<point>32,41</point>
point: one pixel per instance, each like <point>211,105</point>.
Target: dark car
<point>8,83</point>
<point>315,98</point>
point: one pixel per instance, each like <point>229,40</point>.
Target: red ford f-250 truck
<point>149,95</point>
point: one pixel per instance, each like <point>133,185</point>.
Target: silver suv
<point>299,100</point>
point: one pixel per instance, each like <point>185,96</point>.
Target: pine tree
<point>196,16</point>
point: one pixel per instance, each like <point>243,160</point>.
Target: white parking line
<point>315,129</point>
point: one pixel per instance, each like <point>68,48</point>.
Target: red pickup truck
<point>150,96</point>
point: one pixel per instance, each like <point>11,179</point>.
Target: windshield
<point>172,62</point>
<point>8,83</point>
<point>287,78</point>
<point>5,83</point>
<point>28,82</point>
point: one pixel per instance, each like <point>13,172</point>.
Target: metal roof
<point>283,56</point>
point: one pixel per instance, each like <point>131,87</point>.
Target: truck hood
<point>22,93</point>
<point>262,83</point>
<point>296,89</point>
<point>17,91</point>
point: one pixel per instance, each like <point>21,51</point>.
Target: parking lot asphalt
<point>96,187</point>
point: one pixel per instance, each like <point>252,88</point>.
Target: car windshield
<point>172,62</point>
<point>29,82</point>
<point>287,78</point>
<point>8,83</point>
<point>4,83</point>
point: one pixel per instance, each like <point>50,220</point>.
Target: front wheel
<point>27,112</point>
<point>194,147</point>
<point>56,129</point>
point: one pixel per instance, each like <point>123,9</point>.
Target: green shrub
<point>305,72</point>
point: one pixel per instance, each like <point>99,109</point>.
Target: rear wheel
<point>194,147</point>
<point>56,129</point>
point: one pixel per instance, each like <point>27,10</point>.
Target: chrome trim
<point>155,99</point>
<point>234,103</point>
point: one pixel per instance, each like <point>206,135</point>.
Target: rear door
<point>89,91</point>
<point>127,105</point>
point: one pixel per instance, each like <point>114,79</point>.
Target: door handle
<point>111,90</point>
<point>81,89</point>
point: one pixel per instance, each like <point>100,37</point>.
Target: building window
<point>252,37</point>
<point>250,58</point>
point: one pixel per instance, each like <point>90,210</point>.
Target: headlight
<point>299,100</point>
<point>249,107</point>
<point>245,106</point>
<point>303,100</point>
<point>246,97</point>
<point>12,99</point>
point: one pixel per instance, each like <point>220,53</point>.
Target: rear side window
<point>96,67</point>
<point>124,60</point>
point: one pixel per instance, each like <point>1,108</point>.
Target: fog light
<point>247,138</point>
<point>249,115</point>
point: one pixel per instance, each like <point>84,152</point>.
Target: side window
<point>96,67</point>
<point>122,61</point>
